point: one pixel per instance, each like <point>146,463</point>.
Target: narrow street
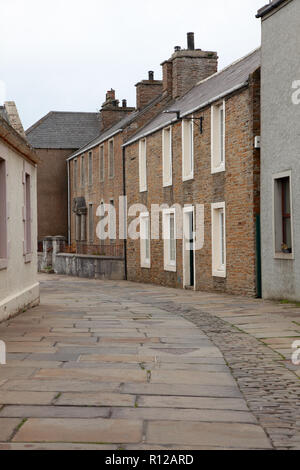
<point>119,365</point>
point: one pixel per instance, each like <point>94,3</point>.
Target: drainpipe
<point>124,194</point>
<point>258,259</point>
<point>69,215</point>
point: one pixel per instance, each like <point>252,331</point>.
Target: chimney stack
<point>187,67</point>
<point>147,90</point>
<point>190,41</point>
<point>111,112</point>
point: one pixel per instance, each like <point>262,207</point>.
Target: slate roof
<point>232,78</point>
<point>64,130</point>
<point>116,128</point>
<point>106,134</point>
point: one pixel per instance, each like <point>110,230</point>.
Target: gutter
<point>186,113</point>
<point>270,7</point>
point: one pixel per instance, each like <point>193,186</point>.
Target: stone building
<point>55,137</point>
<point>19,287</point>
<point>280,144</point>
<point>97,170</point>
<point>202,154</point>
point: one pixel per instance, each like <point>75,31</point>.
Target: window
<point>167,156</point>
<point>27,215</point>
<point>91,223</point>
<point>75,174</point>
<point>101,163</point>
<point>145,239</point>
<point>143,165</point>
<point>111,158</point>
<point>3,215</point>
<point>90,168</point>
<point>82,171</point>
<point>169,234</point>
<point>218,240</point>
<point>283,233</point>
<point>218,138</point>
<point>187,149</point>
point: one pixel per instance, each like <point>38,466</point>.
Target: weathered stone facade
<point>238,187</point>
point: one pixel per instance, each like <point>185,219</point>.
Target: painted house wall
<point>280,143</point>
<point>238,187</point>
<point>19,287</point>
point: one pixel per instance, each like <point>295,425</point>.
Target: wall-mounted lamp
<point>200,119</point>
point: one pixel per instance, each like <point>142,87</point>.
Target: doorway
<point>188,248</point>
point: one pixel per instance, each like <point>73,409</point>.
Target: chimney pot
<point>151,75</point>
<point>190,41</point>
<point>124,103</point>
<point>177,48</point>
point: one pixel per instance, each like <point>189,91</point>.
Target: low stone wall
<point>54,260</point>
<point>94,267</point>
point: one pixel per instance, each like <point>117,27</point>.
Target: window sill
<point>218,169</point>
<point>167,185</point>
<point>145,265</point>
<point>171,268</point>
<point>219,273</point>
<point>280,255</point>
<point>28,258</point>
<point>188,178</point>
<point>143,190</point>
<point>3,263</point>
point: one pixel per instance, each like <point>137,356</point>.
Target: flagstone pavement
<point>119,365</point>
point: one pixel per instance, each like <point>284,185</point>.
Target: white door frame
<point>187,210</point>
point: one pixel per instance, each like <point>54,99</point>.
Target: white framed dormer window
<point>169,234</point>
<point>111,157</point>
<point>218,226</point>
<point>101,163</point>
<point>218,138</point>
<point>143,165</point>
<point>167,156</point>
<point>187,149</point>
<point>90,168</point>
<point>145,240</point>
<point>3,216</point>
<point>27,215</point>
<point>283,216</point>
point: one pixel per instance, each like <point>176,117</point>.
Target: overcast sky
<point>63,55</point>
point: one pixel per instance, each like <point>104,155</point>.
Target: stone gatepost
<point>46,264</point>
<point>51,247</point>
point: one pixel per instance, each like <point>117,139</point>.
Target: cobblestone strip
<point>271,390</point>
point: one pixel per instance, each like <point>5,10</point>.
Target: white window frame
<point>101,165</point>
<point>169,265</point>
<point>145,262</point>
<point>3,221</point>
<point>167,178</point>
<point>75,174</point>
<point>143,165</point>
<point>218,269</point>
<point>91,222</point>
<point>277,176</point>
<point>217,164</point>
<point>111,159</point>
<point>190,175</point>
